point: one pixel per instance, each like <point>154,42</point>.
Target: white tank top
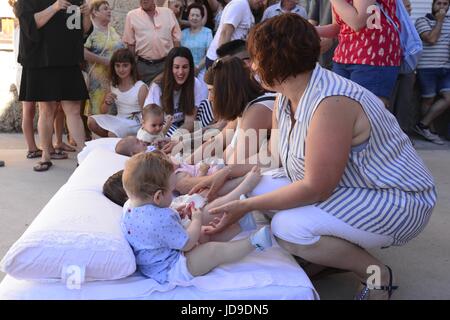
<point>128,102</point>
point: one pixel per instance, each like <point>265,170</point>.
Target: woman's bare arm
<point>355,16</point>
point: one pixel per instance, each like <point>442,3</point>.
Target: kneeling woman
<point>127,93</point>
<point>354,181</point>
<point>239,99</point>
<point>177,90</point>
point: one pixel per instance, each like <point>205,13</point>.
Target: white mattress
<point>269,275</point>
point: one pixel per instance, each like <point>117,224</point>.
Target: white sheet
<point>272,275</point>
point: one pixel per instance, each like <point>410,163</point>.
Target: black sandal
<point>364,293</point>
<point>34,154</point>
<point>42,166</point>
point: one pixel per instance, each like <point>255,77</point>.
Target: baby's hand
<point>195,213</point>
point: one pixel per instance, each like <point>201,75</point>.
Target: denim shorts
<point>379,80</point>
<point>433,81</point>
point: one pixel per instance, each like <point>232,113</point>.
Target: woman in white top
<point>127,94</point>
<point>177,90</point>
<point>239,99</point>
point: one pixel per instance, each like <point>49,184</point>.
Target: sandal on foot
<point>364,294</point>
<point>42,166</point>
<point>58,155</point>
<point>34,154</point>
<point>65,147</point>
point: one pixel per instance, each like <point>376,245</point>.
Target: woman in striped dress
<point>353,182</point>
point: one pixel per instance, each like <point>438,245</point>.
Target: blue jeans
<point>379,80</point>
<point>433,81</point>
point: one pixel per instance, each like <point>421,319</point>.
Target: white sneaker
<point>427,134</point>
<point>261,239</point>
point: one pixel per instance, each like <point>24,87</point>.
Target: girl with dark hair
<point>239,99</point>
<point>177,90</point>
<point>127,93</point>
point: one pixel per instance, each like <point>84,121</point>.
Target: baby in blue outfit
<point>165,251</point>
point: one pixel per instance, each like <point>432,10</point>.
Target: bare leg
<point>339,253</point>
<point>59,131</point>
<point>74,122</point>
<point>45,127</point>
<point>436,109</point>
<point>59,126</point>
<point>95,128</point>
<point>206,257</point>
<point>28,113</point>
<point>224,236</point>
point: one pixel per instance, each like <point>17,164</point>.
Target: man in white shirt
<point>236,21</point>
<point>284,6</point>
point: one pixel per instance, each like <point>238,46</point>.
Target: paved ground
<point>421,267</point>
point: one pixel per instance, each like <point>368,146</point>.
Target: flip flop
<point>58,155</point>
<point>65,147</point>
<point>34,154</point>
<point>42,166</point>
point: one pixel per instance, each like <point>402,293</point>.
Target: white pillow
<point>105,143</point>
<point>78,227</point>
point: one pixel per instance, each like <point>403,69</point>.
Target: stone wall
<point>120,9</point>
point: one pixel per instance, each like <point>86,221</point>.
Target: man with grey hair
<point>150,33</point>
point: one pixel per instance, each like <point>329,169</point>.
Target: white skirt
<point>121,127</point>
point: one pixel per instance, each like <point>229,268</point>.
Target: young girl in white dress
<point>127,93</point>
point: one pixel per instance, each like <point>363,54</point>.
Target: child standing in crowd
<point>165,251</point>
<point>127,93</point>
<point>154,124</point>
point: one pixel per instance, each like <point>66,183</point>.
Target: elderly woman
<point>354,181</point>
<point>197,38</point>
<point>98,49</point>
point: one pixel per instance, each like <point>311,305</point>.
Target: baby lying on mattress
<point>164,250</point>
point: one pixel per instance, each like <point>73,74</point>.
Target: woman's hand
<point>85,10</point>
<point>231,213</point>
<point>110,98</point>
<point>61,5</point>
<point>214,183</point>
<point>168,147</point>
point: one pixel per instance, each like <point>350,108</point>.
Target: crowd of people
<point>350,179</point>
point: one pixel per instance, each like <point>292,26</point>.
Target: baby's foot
<point>251,180</point>
<point>261,239</point>
<point>203,169</point>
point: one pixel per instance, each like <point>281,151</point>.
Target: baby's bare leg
<point>224,236</point>
<point>207,256</point>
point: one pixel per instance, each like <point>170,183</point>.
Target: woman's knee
<point>71,108</point>
<point>92,124</point>
<point>294,226</point>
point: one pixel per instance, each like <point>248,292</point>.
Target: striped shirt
<point>434,55</point>
<point>385,188</point>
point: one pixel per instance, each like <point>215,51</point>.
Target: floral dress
<point>103,44</point>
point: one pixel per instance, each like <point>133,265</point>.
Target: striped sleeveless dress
<point>386,188</point>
